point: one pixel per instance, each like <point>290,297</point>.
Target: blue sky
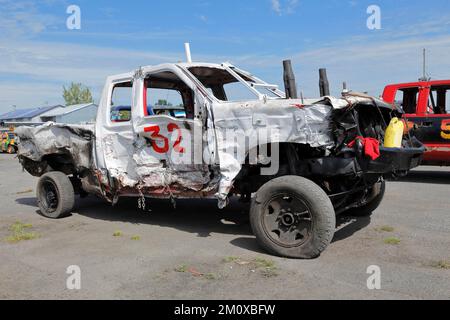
<point>38,54</point>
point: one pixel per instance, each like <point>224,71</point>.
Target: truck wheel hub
<point>287,219</point>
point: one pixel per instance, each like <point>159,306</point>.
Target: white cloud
<point>28,94</point>
<point>276,6</point>
<point>369,66</point>
<point>23,19</point>
<point>292,4</point>
<point>43,67</point>
<point>33,72</point>
<point>288,7</point>
<point>61,61</point>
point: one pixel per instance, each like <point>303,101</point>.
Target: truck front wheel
<point>55,195</point>
<point>293,217</point>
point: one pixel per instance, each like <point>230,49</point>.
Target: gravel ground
<point>200,252</point>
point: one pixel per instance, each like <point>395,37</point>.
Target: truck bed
<point>70,141</point>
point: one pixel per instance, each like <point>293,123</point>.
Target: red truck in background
<point>427,115</point>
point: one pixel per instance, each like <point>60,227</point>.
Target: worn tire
<point>377,196</point>
<point>319,207</point>
<point>55,185</point>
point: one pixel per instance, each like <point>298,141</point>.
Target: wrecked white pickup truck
<point>199,130</point>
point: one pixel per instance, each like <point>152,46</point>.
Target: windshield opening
<point>263,88</point>
<point>223,85</point>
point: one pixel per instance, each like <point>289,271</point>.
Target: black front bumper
<point>353,161</point>
<point>396,160</point>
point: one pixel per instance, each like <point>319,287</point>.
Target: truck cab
<point>427,115</point>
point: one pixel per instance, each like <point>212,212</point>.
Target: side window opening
<point>120,109</point>
<point>407,99</point>
<point>439,100</point>
<point>166,94</point>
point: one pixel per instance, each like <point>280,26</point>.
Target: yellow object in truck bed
<point>394,134</point>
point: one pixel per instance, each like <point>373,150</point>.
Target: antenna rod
<point>187,48</point>
<point>424,63</point>
<point>424,76</point>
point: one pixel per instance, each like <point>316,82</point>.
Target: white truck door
<point>168,122</point>
<point>114,130</point>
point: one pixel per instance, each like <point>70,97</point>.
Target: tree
<point>162,102</point>
<point>77,94</point>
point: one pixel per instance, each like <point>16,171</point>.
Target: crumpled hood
<point>308,122</point>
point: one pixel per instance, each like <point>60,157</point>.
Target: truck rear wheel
<point>375,198</point>
<point>293,217</point>
<point>55,194</point>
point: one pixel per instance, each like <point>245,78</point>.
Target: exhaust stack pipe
<point>289,80</point>
<point>324,85</point>
<point>187,49</point>
<point>344,88</point>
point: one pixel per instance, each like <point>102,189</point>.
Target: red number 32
<point>155,131</point>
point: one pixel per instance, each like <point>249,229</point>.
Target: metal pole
<point>344,87</point>
<point>323,83</point>
<point>289,80</point>
<point>424,64</point>
<point>187,49</point>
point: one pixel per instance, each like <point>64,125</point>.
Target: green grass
<point>25,191</point>
<point>19,233</point>
<point>230,259</point>
<point>184,268</point>
<point>264,263</point>
<point>181,268</point>
<point>266,267</point>
<point>18,227</point>
<point>22,237</point>
<point>386,229</point>
<point>210,276</point>
<point>270,272</point>
<point>135,238</point>
<point>392,241</point>
<point>118,233</point>
<point>442,264</point>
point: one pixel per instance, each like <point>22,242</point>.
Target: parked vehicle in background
<point>202,130</point>
<point>8,141</point>
<point>427,115</point>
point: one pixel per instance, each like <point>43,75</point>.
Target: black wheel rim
<point>49,196</point>
<point>287,220</point>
